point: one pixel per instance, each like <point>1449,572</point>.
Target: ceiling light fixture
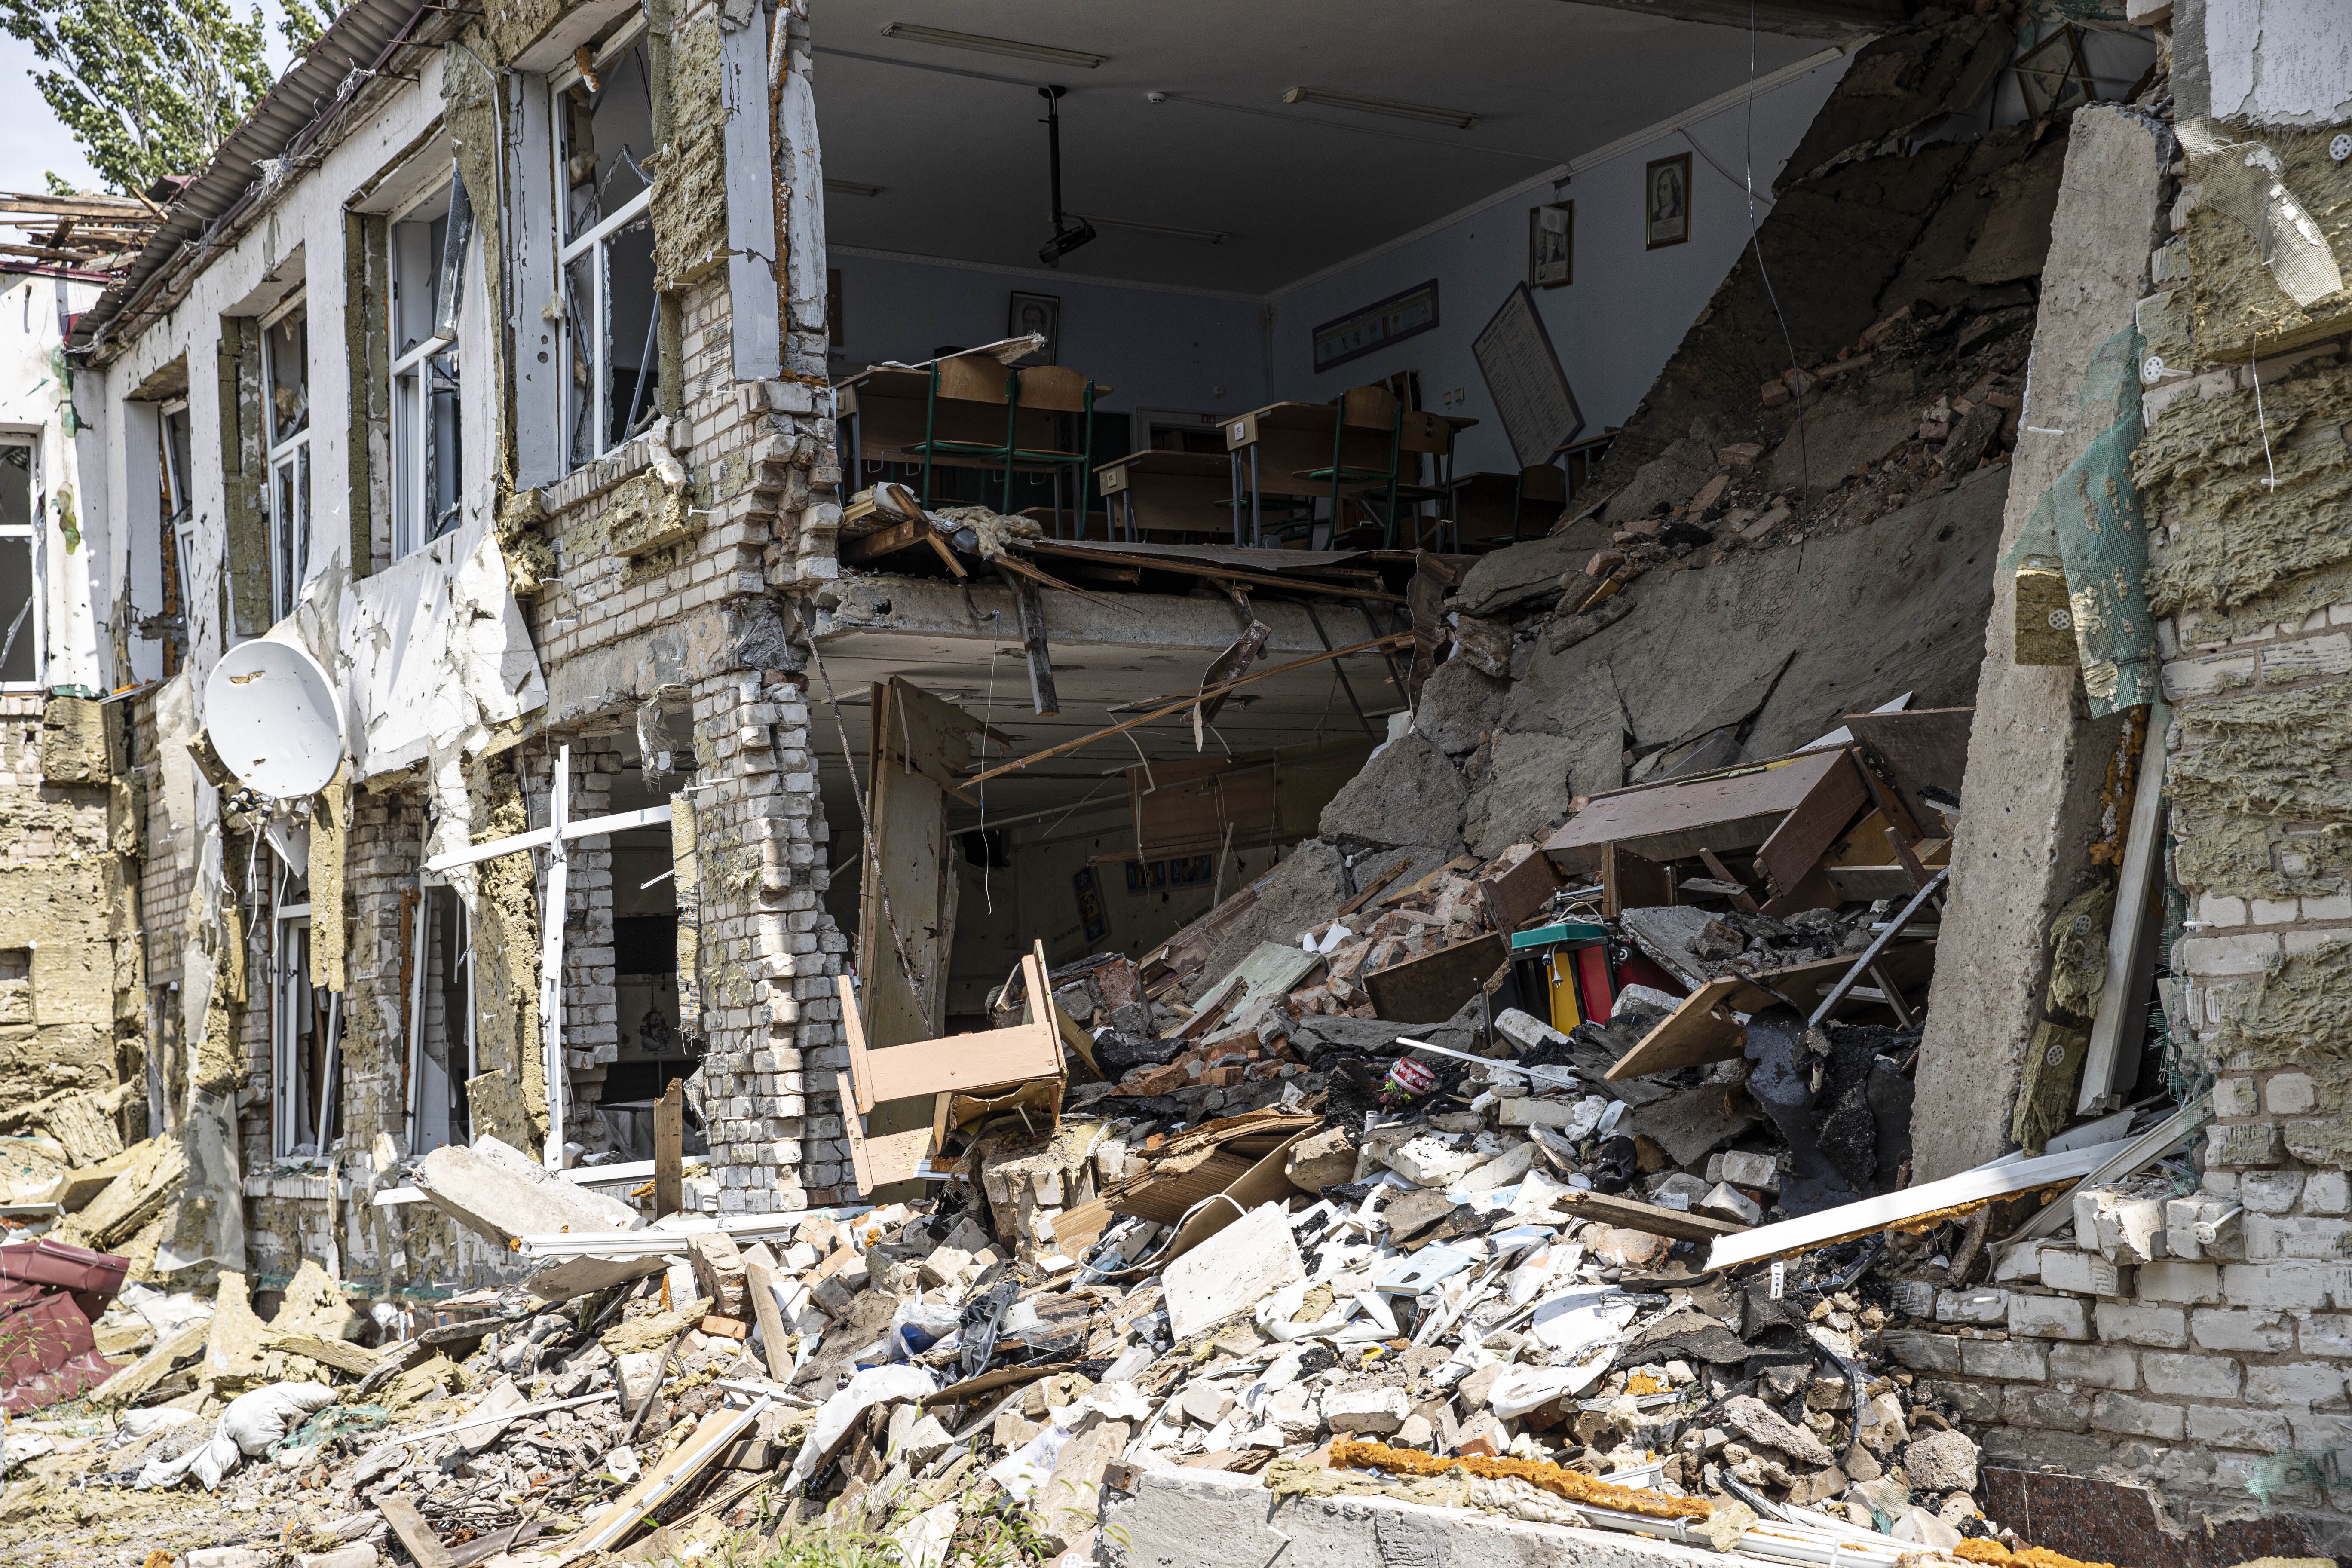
<point>850,187</point>
<point>1460,118</point>
<point>912,33</point>
<point>1207,236</point>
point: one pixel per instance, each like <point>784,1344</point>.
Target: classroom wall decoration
<point>1667,198</point>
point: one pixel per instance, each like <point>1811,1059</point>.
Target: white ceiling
<point>961,161</point>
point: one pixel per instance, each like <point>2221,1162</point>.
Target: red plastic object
<point>91,1278</point>
<point>1597,997</point>
<point>1638,970</point>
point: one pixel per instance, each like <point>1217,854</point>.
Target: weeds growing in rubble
<point>810,1543</point>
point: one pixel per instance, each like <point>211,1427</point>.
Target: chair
<point>966,1073</point>
<point>1044,389</point>
<point>1410,431</point>
<point>1055,389</point>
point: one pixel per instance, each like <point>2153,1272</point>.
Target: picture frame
<point>2053,74</point>
<point>1666,202</point>
<point>1036,314</point>
<point>1551,245</point>
<point>1405,314</point>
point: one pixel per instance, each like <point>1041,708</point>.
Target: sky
<point>32,140</point>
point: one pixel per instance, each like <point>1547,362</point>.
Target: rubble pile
<point>1484,1283</point>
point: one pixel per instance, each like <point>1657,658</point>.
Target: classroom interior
<point>1347,282</point>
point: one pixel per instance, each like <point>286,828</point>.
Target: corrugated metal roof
<point>289,115</point>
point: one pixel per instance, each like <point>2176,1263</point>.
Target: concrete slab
<point>2030,798</point>
<point>500,1192</point>
<point>1208,1519</point>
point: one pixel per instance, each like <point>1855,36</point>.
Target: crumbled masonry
<point>1793,1007</point>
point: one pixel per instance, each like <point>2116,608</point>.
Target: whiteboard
<point>1531,394</point>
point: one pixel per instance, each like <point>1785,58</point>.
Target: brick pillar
<point>768,954</point>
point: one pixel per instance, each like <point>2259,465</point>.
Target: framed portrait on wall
<point>1666,202</point>
<point>1551,245</point>
<point>1036,314</point>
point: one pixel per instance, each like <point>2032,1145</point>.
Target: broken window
<point>427,266</point>
<point>306,1029</point>
<point>603,117</point>
<point>20,576</point>
<point>286,377</point>
<point>441,1050</point>
<point>176,505</point>
<point>16,985</point>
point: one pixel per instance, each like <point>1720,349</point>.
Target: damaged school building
<point>1689,659</point>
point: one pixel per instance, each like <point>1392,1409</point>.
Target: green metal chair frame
<point>1010,451</point>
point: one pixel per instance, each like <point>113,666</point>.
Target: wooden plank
<point>881,1160</point>
<point>1171,709</point>
<point>669,1149</point>
<point>423,1544</point>
<point>1371,889</point>
<point>1679,817</point>
<point>2123,998</point>
<point>1631,881</point>
<point>1924,748</point>
<point>1164,1195</point>
<point>1812,824</point>
<point>1701,1030</point>
<point>760,1274</point>
<point>1002,1377</point>
<point>1631,1214</point>
<point>889,540</point>
<point>932,737</point>
<point>1431,988</point>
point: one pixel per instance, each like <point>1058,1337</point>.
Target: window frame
<point>287,465</point>
<point>34,616</point>
<point>411,488</point>
<point>288,1074</point>
<point>422,944</point>
<point>595,243</point>
<point>176,529</point>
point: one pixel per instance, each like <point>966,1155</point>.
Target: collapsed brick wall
<point>2201,1340</point>
<point>57,968</point>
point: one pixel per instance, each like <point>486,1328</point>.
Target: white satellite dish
<point>273,717</point>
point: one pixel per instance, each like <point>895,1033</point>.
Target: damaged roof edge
<point>352,52</point>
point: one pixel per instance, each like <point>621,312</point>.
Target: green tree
<point>149,88</point>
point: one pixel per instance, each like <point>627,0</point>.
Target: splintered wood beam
<point>1187,566</point>
<point>1042,700</point>
<point>1377,644</point>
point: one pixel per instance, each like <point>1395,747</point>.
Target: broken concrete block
<point>1918,1526</point>
<point>229,1557</point>
<point>1941,1462</point>
<point>1379,1410</point>
<point>1758,1422</point>
<point>925,1440</point>
<point>1407,794</point>
<point>640,1374</point>
<point>718,1273</point>
<point>1500,1171</point>
<point>1434,1162</point>
<point>1743,1169</point>
<point>500,1193</point>
<point>1567,1115</point>
<point>1294,1413</point>
<point>2122,1227</point>
<point>1726,1202</point>
<point>358,1556</point>
<point>1320,1160</point>
<point>1526,1030</point>
<point>1201,1405</point>
<point>1232,1271</point>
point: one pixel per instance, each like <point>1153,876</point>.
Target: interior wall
<point>1035,898</point>
<point>1613,327</point>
